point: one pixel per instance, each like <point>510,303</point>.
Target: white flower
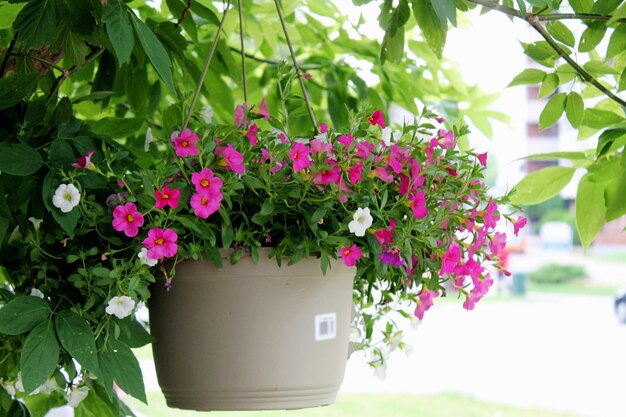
<point>380,370</point>
<point>355,334</point>
<point>393,341</point>
<point>408,350</point>
<point>19,386</point>
<point>388,136</point>
<point>361,220</point>
<point>77,395</point>
<point>415,323</point>
<point>148,141</point>
<point>47,387</point>
<point>9,387</point>
<point>120,307</point>
<point>36,293</point>
<point>207,114</point>
<point>35,222</point>
<point>143,257</point>
<point>66,197</point>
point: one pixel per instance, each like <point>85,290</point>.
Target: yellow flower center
<point>130,218</point>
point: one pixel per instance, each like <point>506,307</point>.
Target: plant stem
<point>37,58</point>
<point>68,73</point>
<point>196,93</point>
<point>534,22</point>
<point>5,61</point>
<point>243,53</point>
<point>184,14</point>
<point>297,69</point>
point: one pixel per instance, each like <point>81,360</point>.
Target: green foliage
<point>557,274</point>
<point>541,185</point>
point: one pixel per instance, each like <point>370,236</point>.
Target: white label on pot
<point>325,326</point>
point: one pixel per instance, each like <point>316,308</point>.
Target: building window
<point>533,131</point>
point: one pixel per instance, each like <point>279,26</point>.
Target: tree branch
<point>184,14</point>
<point>5,61</point>
<point>69,72</point>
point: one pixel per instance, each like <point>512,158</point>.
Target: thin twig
<point>38,58</point>
<point>272,62</point>
<point>297,69</point>
<point>184,14</point>
<point>196,93</point>
<point>5,61</point>
<point>69,72</point>
<point>243,54</point>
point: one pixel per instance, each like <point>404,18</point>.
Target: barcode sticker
<point>325,326</point>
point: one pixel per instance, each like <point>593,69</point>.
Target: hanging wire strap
<point>196,93</point>
<point>295,66</point>
<point>243,53</point>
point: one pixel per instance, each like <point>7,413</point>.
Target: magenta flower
<point>240,115</point>
<point>377,118</point>
<point>299,154</point>
<point>161,243</point>
<point>206,182</point>
<point>231,159</point>
<point>345,140</point>
<point>418,205</point>
<point>327,176</point>
<point>350,255</point>
<point>355,173</point>
<point>307,75</point>
<point>424,302</point>
<point>392,257</point>
<point>84,162</point>
<point>519,224</point>
<point>497,242</point>
<point>166,197</point>
<point>319,147</point>
<point>447,137</point>
<point>205,204</point>
<point>482,158</point>
<point>263,111</point>
<point>251,134</point>
<point>386,235</point>
<point>489,218</point>
<point>397,156</point>
<point>127,219</point>
<point>383,174</point>
<point>364,149</point>
<point>185,143</point>
<point>450,259</point>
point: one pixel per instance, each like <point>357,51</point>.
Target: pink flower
<point>383,174</point>
<point>327,176</point>
<point>497,243</point>
<point>364,149</point>
<point>231,159</point>
<point>450,259</point>
<point>240,115</point>
<point>185,143</point>
<point>377,118</point>
<point>519,224</point>
<point>489,218</point>
<point>127,219</point>
<point>206,182</point>
<point>251,134</point>
<point>206,203</point>
<point>263,111</point>
<point>424,302</point>
<point>319,147</point>
<point>355,173</point>
<point>482,158</point>
<point>392,257</point>
<point>84,162</point>
<point>166,197</point>
<point>161,243</point>
<point>385,235</point>
<point>299,154</point>
<point>350,255</point>
<point>307,76</point>
<point>418,205</point>
<point>346,140</point>
<point>440,119</point>
<point>481,288</point>
<point>323,128</point>
<point>448,138</point>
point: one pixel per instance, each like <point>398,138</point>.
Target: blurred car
<point>620,304</point>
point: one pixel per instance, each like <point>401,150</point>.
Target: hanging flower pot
<point>252,336</point>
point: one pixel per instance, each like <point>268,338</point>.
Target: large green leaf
<point>541,185</point>
<point>119,29</point>
<point>77,15</point>
<point>22,314</point>
<point>574,109</point>
<point>553,111</point>
<point>617,44</point>
<point>132,333</point>
<point>528,76</point>
<point>8,13</point>
<point>119,364</point>
<point>590,209</point>
<point>117,127</point>
<point>39,356</point>
<point>77,338</point>
<point>549,85</point>
<point>592,36</point>
<point>36,23</point>
<point>154,49</point>
<point>561,32</point>
<point>19,160</point>
<point>599,119</point>
<point>15,88</point>
<point>581,6</point>
<point>446,10</point>
<point>433,31</point>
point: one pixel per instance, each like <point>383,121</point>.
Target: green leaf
<point>39,405</point>
<point>590,209</point>
<point>267,208</point>
<point>622,81</point>
<point>615,197</point>
<point>77,15</point>
<point>617,44</point>
<point>155,51</point>
<point>608,138</point>
<point>574,109</point>
<point>553,111</point>
<point>40,355</point>
<point>95,405</point>
<point>22,314</point>
<point>119,364</point>
<point>581,6</point>
<point>528,76</point>
<point>16,87</point>
<point>605,6</point>
<point>74,48</point>
<point>561,32</point>
<point>77,338</point>
<point>20,160</point>
<point>599,119</point>
<point>433,31</point>
<point>541,185</point>
<point>119,30</point>
<point>541,52</point>
<point>599,68</point>
<point>572,156</point>
<point>591,37</point>
<point>8,13</point>
<point>132,333</point>
<point>117,127</point>
<point>392,47</point>
<point>36,23</point>
<point>18,409</point>
<point>549,85</point>
<point>445,10</point>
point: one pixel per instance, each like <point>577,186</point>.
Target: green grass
<point>366,405</point>
<point>581,287</point>
<point>618,256</point>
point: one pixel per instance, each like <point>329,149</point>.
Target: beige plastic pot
<point>252,337</point>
